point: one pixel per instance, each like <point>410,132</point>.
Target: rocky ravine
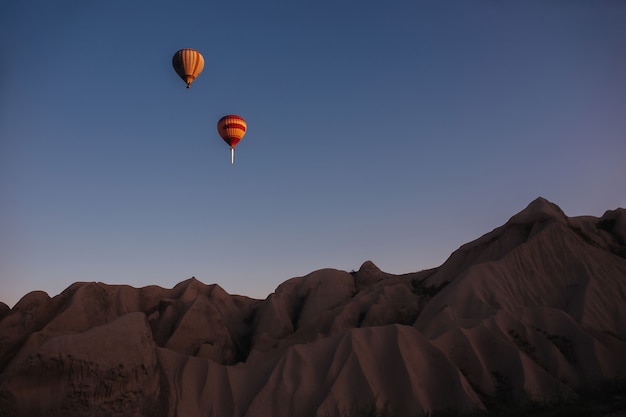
<point>536,307</point>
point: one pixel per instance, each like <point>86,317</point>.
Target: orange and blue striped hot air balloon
<point>188,64</point>
<point>232,128</point>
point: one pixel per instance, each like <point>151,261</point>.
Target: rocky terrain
<point>533,309</point>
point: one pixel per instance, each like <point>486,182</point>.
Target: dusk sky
<point>387,131</point>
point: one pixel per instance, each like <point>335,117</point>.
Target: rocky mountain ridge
<point>533,308</point>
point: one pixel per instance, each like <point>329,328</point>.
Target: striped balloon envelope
<point>188,64</point>
<point>232,128</point>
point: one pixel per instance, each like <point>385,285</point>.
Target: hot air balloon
<point>232,128</point>
<point>188,64</point>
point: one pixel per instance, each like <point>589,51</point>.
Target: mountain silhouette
<point>533,309</point>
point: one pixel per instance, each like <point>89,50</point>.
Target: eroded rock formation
<point>535,307</point>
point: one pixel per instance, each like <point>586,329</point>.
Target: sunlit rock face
<point>533,308</point>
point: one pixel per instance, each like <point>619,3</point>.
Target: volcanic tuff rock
<point>534,308</point>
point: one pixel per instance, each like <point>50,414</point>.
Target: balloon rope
<point>232,155</point>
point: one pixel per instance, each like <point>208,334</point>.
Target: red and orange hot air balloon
<point>232,128</point>
<point>188,64</point>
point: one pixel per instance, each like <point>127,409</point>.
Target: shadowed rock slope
<point>534,308</point>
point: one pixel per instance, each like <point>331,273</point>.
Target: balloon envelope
<point>232,128</point>
<point>188,64</point>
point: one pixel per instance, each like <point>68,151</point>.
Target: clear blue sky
<point>392,131</point>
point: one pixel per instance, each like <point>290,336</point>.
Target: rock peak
<point>614,221</point>
<point>368,274</point>
<point>538,210</point>
<point>369,266</point>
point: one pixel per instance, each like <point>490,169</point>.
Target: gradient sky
<point>391,131</point>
